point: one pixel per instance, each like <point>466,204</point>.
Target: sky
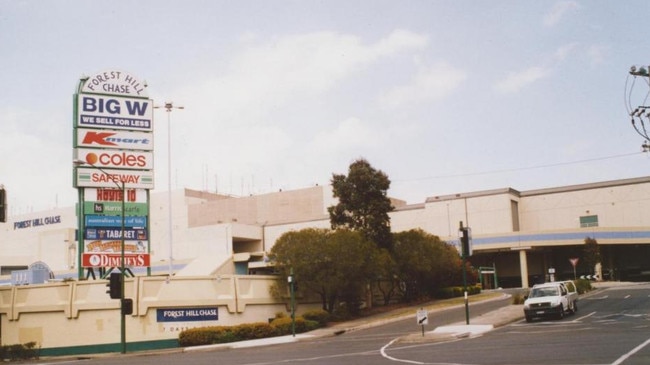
<point>444,97</point>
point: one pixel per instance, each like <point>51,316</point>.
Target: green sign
<point>115,208</point>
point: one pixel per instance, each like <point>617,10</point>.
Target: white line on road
<point>384,354</point>
<point>583,317</point>
<point>624,357</point>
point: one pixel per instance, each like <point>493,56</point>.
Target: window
<point>589,221</point>
<point>514,211</point>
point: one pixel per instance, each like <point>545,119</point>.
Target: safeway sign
<point>89,177</point>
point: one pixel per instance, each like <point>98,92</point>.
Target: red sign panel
<point>100,259</point>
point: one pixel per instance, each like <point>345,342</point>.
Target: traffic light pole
<point>122,269</point>
<point>122,189</point>
<point>292,293</point>
<point>464,235</point>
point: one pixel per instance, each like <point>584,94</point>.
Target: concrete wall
<point>71,316</point>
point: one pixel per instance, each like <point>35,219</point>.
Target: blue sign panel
<point>104,233</point>
<point>114,221</point>
<point>187,314</point>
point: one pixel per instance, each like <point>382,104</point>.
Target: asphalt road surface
<point>612,327</point>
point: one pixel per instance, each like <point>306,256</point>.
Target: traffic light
<point>115,285</point>
<point>466,242</point>
<point>3,205</point>
<point>127,306</point>
<point>465,238</point>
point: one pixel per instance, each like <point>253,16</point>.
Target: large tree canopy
<point>336,265</point>
<point>425,263</point>
<point>363,203</point>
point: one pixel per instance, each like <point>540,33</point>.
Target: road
<point>612,327</point>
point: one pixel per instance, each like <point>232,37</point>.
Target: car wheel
<point>575,306</point>
<point>560,315</point>
<point>529,319</point>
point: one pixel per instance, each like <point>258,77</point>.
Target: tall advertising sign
<point>113,172</point>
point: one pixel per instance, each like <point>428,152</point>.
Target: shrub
<point>318,315</point>
<point>254,331</point>
<point>202,336</point>
<point>457,291</point>
<point>518,298</point>
<point>284,325</point>
<point>242,332</point>
<point>19,352</point>
<point>583,286</point>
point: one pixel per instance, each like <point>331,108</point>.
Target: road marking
<point>385,355</point>
<point>598,298</point>
<point>634,350</point>
<point>583,317</point>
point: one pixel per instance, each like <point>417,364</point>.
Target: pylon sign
<point>113,151</point>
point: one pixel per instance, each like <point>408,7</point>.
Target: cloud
<point>271,73</point>
<point>559,10</point>
<point>564,51</point>
<point>518,80</point>
<point>597,54</point>
<point>349,135</point>
<point>274,96</point>
<point>429,84</point>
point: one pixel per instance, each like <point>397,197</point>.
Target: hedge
<point>248,331</point>
<point>457,291</point>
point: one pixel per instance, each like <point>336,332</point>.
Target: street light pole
<point>168,108</point>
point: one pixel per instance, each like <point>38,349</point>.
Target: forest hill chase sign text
<point>115,83</point>
<point>36,222</point>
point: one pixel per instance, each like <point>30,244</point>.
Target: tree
<point>387,280</point>
<point>591,252</point>
<point>363,203</point>
<point>335,265</point>
<point>425,263</point>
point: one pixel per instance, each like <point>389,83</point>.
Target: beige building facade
<point>522,234</point>
<point>219,245</point>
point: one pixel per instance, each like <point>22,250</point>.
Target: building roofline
<point>587,186</point>
<point>554,190</point>
<point>474,194</point>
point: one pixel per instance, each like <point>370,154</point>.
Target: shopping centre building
<point>522,235</point>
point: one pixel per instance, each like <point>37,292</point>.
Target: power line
<point>519,168</point>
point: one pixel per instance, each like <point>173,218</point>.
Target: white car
<point>551,299</point>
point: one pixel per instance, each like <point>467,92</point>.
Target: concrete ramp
<point>205,265</point>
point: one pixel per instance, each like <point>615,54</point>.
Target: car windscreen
<point>543,292</point>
